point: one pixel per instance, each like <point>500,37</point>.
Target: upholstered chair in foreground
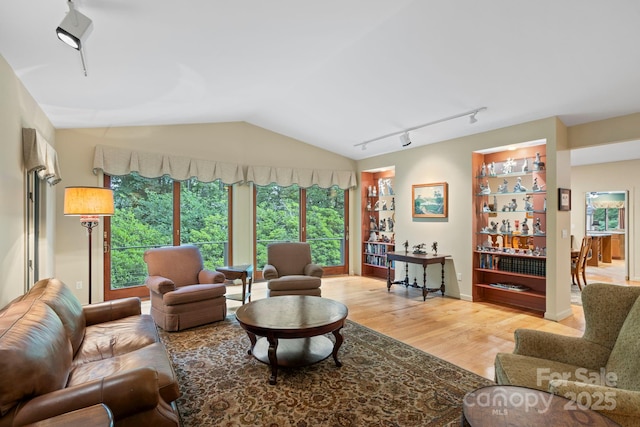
<point>183,294</point>
<point>289,270</point>
<point>601,369</point>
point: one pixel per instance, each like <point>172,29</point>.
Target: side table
<point>243,272</point>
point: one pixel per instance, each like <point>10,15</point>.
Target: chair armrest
<point>565,349</point>
<point>313,270</point>
<point>269,272</point>
<point>609,401</point>
<point>208,276</point>
<point>126,394</point>
<point>112,310</point>
<point>160,285</point>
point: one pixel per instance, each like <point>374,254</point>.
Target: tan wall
<point>450,162</point>
<point>18,109</point>
<point>615,176</point>
<point>617,129</point>
<point>236,142</point>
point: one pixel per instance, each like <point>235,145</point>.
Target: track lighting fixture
<point>405,140</point>
<point>404,134</point>
<point>74,30</point>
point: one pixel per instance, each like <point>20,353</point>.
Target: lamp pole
<point>89,223</point>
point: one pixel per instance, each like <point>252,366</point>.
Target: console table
<point>424,260</point>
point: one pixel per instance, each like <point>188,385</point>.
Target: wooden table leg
<point>273,359</point>
<point>336,346</point>
<point>424,283</point>
<point>252,338</point>
<point>442,278</point>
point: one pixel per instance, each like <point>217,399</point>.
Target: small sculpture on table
<point>434,248</point>
<point>406,246</point>
<point>420,249</point>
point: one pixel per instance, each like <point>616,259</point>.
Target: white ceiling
<point>331,73</point>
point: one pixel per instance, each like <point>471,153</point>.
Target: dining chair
<point>579,264</point>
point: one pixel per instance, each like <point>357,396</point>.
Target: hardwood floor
<point>613,272</point>
<point>464,333</point>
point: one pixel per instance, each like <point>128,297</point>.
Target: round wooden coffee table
<point>292,329</point>
<point>499,405</point>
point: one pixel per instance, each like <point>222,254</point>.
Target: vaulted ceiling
<point>330,73</point>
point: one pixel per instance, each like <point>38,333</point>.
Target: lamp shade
<point>88,201</point>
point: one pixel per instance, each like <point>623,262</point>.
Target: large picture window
<point>315,215</point>
<point>152,212</point>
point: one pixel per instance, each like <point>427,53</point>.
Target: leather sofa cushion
<point>624,360</point>
<point>68,308</point>
<point>153,355</point>
<point>194,293</point>
<point>116,337</point>
<point>35,352</point>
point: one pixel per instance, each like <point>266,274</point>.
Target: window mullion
<point>176,213</point>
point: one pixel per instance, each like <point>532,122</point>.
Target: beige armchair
<point>601,369</point>
<point>289,270</point>
<point>183,294</point>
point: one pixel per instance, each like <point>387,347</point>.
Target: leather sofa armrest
<point>565,349</point>
<point>112,310</point>
<point>313,270</point>
<point>126,394</point>
<point>160,285</point>
<point>269,272</point>
<point>208,276</point>
<point>609,401</point>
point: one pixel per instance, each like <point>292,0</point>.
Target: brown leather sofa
<point>57,356</point>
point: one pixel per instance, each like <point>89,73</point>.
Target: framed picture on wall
<point>564,199</point>
<point>429,200</point>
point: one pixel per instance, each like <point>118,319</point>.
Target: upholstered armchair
<point>601,369</point>
<point>183,294</point>
<point>289,270</point>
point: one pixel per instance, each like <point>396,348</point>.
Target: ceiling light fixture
<point>405,133</point>
<point>74,30</point>
<point>405,140</point>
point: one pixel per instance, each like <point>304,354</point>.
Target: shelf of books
<point>378,221</point>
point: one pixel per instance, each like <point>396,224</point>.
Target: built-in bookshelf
<point>509,253</point>
<point>378,221</point>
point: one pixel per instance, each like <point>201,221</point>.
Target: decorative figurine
<point>484,190</point>
<point>507,167</point>
<point>375,191</point>
<point>485,207</point>
<point>393,204</point>
<point>494,227</point>
<point>420,249</point>
<point>390,224</point>
<point>528,206</point>
<point>525,226</point>
<point>535,186</point>
<point>372,223</point>
<point>537,164</point>
<point>373,236</point>
<point>503,227</point>
<point>502,188</point>
<point>434,248</point>
<point>518,188</point>
<point>368,205</point>
<point>495,204</point>
<point>406,246</point>
<point>370,192</point>
<point>377,205</point>
<point>508,227</point>
<point>525,165</point>
<point>537,227</point>
<point>483,170</point>
<point>492,169</point>
<point>384,205</point>
<point>511,207</point>
<point>383,224</point>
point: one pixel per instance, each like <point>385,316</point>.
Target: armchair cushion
<point>194,293</point>
<point>288,283</point>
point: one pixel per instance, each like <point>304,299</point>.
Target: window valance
<point>305,178</point>
<point>40,156</point>
<point>119,161</point>
<point>608,204</point>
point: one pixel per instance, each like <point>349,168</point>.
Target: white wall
<point>236,142</point>
<point>616,176</point>
<point>18,109</point>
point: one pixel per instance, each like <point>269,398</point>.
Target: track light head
<point>364,147</point>
<point>74,28</point>
<point>472,118</point>
<point>405,140</point>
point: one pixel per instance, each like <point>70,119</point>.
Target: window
<point>152,212</point>
<point>315,215</point>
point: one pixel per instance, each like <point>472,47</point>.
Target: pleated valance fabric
<point>305,178</point>
<point>120,161</point>
<point>40,156</point>
<point>608,204</point>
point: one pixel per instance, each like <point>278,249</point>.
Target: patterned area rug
<point>382,382</point>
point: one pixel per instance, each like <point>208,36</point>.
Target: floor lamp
<point>90,203</point>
